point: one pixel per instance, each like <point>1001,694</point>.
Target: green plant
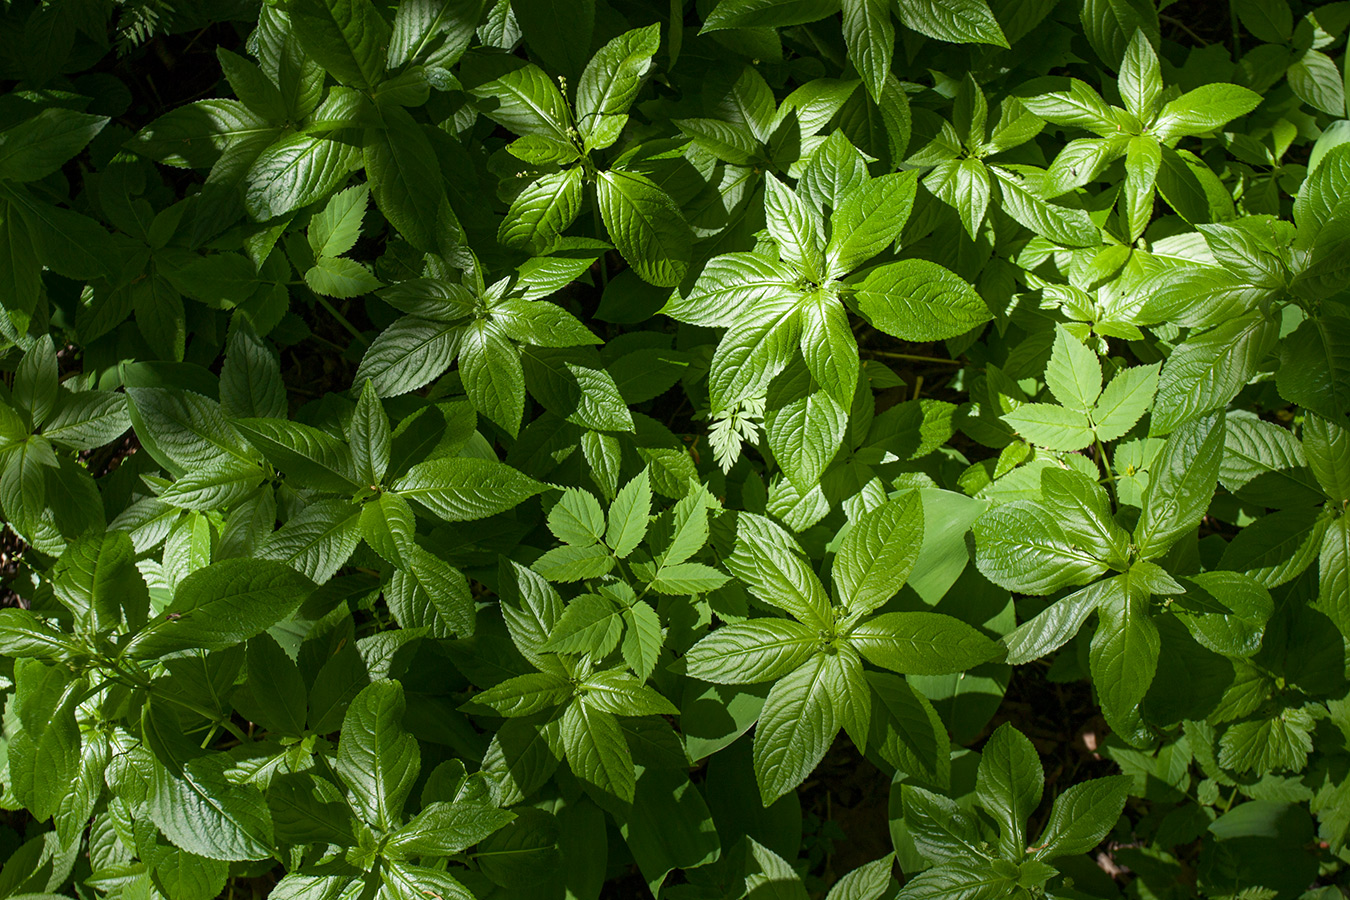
<point>523,449</point>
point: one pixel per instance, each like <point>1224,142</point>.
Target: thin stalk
<point>1106,467</point>
<point>355,332</point>
<point>912,357</point>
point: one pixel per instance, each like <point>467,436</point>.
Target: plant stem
<point>1106,467</point>
<point>355,332</point>
<point>912,357</point>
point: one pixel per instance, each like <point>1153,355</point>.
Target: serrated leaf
<point>917,300</point>
<point>377,759</point>
<point>628,516</point>
<point>461,489</point>
<point>878,552</point>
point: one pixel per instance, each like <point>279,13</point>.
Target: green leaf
<point>334,230</point>
<point>917,300</point>
<point>409,354</point>
<point>224,604</point>
<point>867,882</point>
<point>44,753</point>
<point>628,516</point>
<point>828,346</point>
<point>1316,79</point>
<point>1142,161</point>
<point>314,458</point>
<point>611,82</point>
<point>540,213</point>
<point>1181,484</point>
<point>388,526</point>
<point>1270,20</point>
<point>1124,402</point>
<point>1021,546</point>
<point>728,283</point>
<point>1124,657</point>
<point>571,563</point>
<point>525,695</point>
<point>596,750</point>
<point>921,643</point>
<point>1082,816</point>
<point>1109,25</point>
<point>200,810</point>
<point>346,37</point>
<point>39,146</point>
<point>962,184</point>
<point>194,135</point>
<point>1276,744</point>
<point>369,436</point>
<point>1315,366</point>
<point>277,689</point>
<point>577,518</point>
<point>342,278</point>
<point>1327,445</point>
<point>767,13</point>
<point>870,37</point>
<point>646,226</point>
<point>796,227</point>
<point>1333,570</point>
<point>1074,374</point>
<point>570,383</point>
<point>250,378</point>
<point>441,829</point>
<point>437,595</point>
<point>1225,612</point>
<point>22,635</point>
<point>804,427</point>
<point>942,830</point>
<point>770,564</point>
<point>752,652</point>
<point>1140,81</point>
<point>589,624</point>
<point>619,693</point>
<point>1009,785</point>
<point>461,489</point>
<point>957,21</point>
<point>490,367</point>
<point>296,171</point>
<point>1204,109</point>
<point>1061,224</point>
<point>252,86</point>
<point>1206,371</point>
<point>642,639</point>
<point>377,759</point>
<point>1264,463</point>
<point>432,32</point>
<point>878,552</point>
<point>517,95</point>
<point>1047,425</point>
<point>688,578</point>
<point>561,39</point>
<point>796,727</point>
<point>405,177</point>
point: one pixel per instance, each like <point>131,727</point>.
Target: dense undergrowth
<point>605,448</point>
